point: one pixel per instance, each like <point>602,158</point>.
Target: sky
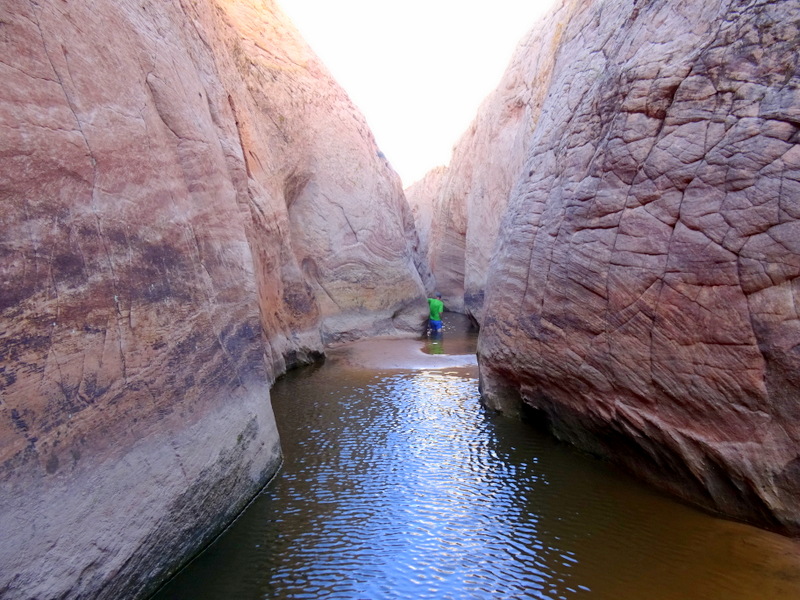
<point>416,69</point>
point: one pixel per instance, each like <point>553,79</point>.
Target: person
<point>436,307</point>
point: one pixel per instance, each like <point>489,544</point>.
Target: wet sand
<point>404,354</point>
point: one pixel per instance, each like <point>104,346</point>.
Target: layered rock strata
<point>643,298</point>
<point>189,205</point>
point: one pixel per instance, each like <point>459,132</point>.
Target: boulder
<point>642,299</point>
<point>190,205</point>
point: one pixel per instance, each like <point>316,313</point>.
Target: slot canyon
<point>192,206</point>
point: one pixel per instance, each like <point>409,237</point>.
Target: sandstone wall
<point>420,196</point>
<point>189,205</point>
<point>471,194</point>
<point>643,298</point>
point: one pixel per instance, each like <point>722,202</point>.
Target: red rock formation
<point>643,299</point>
<point>189,204</point>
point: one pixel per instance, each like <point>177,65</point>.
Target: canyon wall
<point>642,299</point>
<point>467,199</point>
<point>190,205</point>
<point>420,197</point>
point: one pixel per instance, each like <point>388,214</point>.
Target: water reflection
<point>435,345</point>
<point>399,485</point>
<point>457,336</point>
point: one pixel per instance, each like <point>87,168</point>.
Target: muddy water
<point>397,484</point>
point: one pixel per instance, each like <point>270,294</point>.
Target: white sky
<point>417,69</point>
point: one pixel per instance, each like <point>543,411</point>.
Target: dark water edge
<point>398,484</point>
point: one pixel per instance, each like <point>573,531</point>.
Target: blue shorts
<point>435,325</point>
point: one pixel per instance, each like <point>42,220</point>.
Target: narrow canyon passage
<point>396,483</point>
<point>193,206</point>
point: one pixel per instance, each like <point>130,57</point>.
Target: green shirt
<point>436,306</point>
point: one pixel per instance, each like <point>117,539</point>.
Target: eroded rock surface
<point>189,205</point>
<point>643,299</point>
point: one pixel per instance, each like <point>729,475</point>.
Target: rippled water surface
<point>397,484</point>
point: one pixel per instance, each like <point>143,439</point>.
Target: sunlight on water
<point>398,484</point>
